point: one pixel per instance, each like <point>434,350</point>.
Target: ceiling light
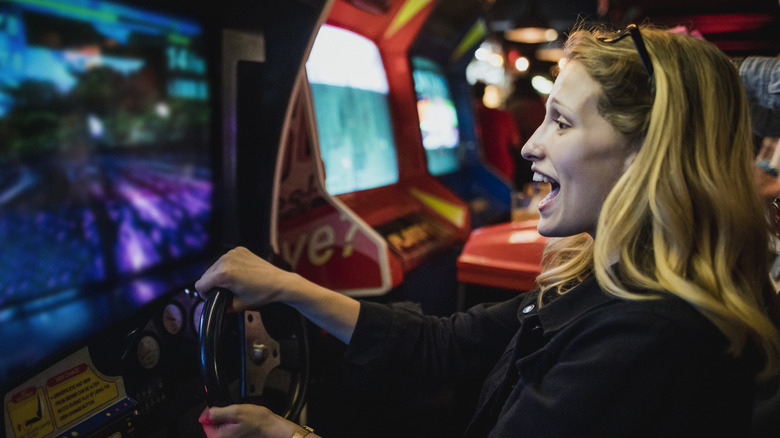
<point>522,64</point>
<point>531,35</point>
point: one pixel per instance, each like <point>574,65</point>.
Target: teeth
<point>538,177</point>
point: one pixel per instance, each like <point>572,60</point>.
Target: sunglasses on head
<point>633,31</point>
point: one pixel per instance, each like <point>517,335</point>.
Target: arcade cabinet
<point>138,142</point>
<point>358,210</point>
<point>439,56</point>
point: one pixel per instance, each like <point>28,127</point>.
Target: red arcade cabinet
<point>358,210</point>
<point>498,261</point>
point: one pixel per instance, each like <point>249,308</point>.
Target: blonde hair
<point>685,218</point>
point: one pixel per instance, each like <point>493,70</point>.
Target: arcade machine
<point>359,211</point>
<point>439,56</point>
<point>131,156</point>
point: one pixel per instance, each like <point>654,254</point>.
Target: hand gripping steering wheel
<point>271,365</point>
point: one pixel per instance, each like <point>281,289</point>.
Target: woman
<point>649,319</point>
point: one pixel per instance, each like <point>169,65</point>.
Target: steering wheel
<point>270,367</point>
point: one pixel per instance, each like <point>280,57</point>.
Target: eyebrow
<point>558,103</point>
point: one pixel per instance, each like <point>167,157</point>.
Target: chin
<point>546,230</point>
<point>557,230</point>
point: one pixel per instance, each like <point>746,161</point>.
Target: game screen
<point>438,118</point>
<point>105,168</point>
<point>349,89</point>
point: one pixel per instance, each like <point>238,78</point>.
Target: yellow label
<point>29,413</point>
<point>77,392</point>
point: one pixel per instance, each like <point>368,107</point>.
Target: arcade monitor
<point>105,167</point>
<point>350,96</point>
<point>438,118</point>
<point>106,183</point>
<point>449,141</point>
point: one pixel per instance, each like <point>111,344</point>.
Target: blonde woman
<point>650,319</point>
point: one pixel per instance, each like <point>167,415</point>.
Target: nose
<point>532,149</point>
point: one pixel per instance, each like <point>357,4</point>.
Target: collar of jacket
<point>573,304</point>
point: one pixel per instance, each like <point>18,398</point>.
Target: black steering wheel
<point>270,367</point>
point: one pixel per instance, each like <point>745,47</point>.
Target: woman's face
<point>578,152</point>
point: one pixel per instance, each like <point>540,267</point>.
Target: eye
<point>562,123</point>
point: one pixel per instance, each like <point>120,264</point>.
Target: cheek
<point>595,175</point>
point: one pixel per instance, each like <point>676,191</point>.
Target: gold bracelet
<point>302,434</point>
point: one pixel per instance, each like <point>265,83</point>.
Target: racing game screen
<point>105,158</point>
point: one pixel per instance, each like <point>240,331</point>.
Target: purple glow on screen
<point>115,215</point>
<point>105,169</point>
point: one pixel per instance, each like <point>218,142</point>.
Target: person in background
<point>651,318</point>
<point>761,78</point>
<point>527,108</point>
<point>499,135</point>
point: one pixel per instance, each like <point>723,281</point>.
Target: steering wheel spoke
<point>273,356</point>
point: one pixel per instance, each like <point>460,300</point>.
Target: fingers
<point>208,280</point>
<point>215,424</point>
<point>253,280</point>
<point>221,415</point>
<point>239,271</point>
<point>244,421</point>
<point>215,275</point>
<point>203,285</point>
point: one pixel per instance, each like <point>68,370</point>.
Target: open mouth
<point>554,188</point>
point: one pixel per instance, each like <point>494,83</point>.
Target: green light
<point>178,39</point>
<point>70,9</point>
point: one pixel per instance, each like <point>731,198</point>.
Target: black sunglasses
<point>633,32</point>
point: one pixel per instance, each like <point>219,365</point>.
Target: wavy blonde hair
<point>685,218</point>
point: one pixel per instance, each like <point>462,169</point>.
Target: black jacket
<point>585,364</point>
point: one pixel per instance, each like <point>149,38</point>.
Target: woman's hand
<point>252,280</point>
<point>255,282</point>
<point>245,421</point>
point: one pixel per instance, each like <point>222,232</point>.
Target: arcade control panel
<point>140,378</point>
<point>415,237</point>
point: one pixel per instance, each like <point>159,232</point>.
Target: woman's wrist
<point>303,432</point>
<point>298,292</point>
